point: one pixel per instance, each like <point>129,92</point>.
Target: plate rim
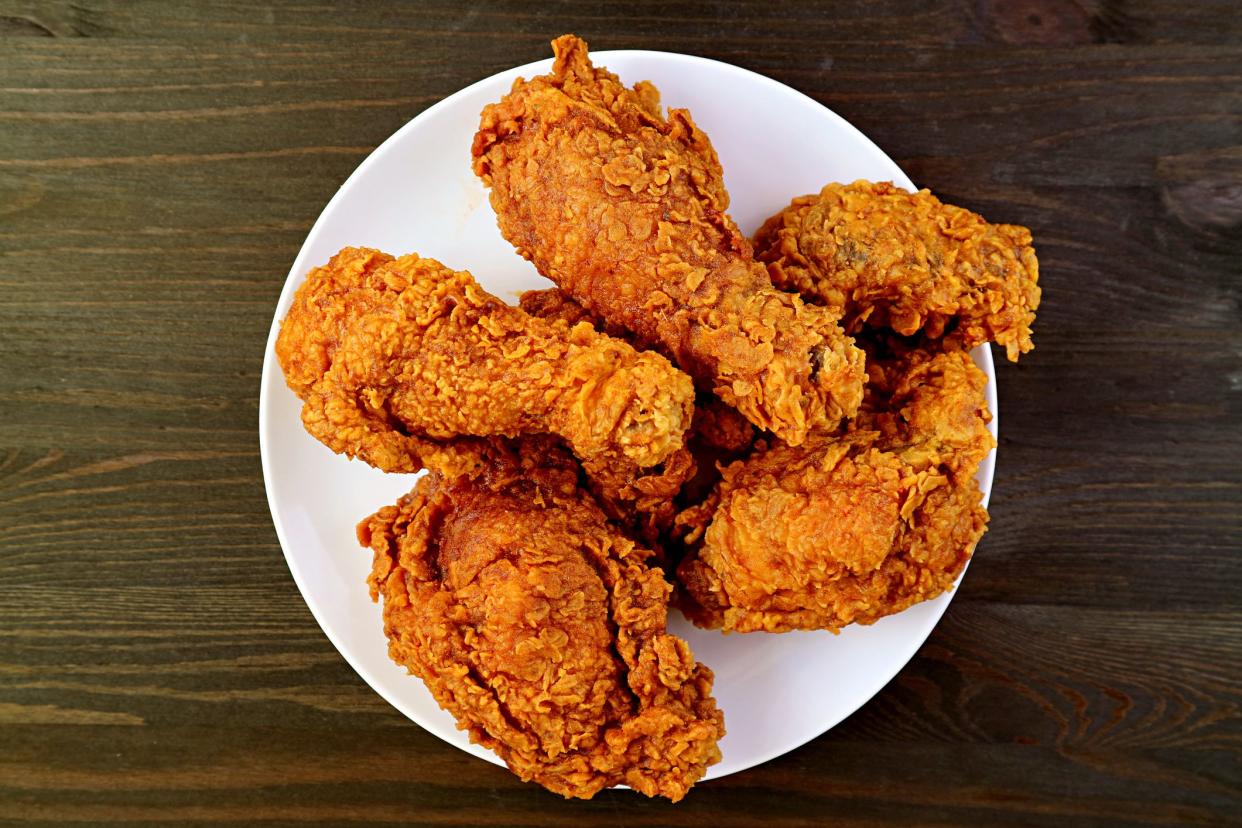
<point>981,354</point>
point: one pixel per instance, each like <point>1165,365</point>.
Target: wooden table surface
<point>160,165</point>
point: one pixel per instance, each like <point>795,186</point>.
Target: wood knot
<point>1203,190</point>
<point>1057,23</point>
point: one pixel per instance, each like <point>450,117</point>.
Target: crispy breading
<point>625,210</point>
<point>716,424</point>
<point>406,363</point>
<point>554,303</point>
<point>926,396</point>
<point>541,628</point>
<point>875,253</point>
<point>649,504</point>
<point>852,527</point>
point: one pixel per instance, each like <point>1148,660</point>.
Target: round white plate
<point>416,193</point>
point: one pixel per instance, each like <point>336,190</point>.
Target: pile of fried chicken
<point>777,434</point>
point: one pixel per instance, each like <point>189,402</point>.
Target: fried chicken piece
<point>554,303</point>
<point>625,210</point>
<point>926,395</point>
<point>716,424</point>
<point>649,504</point>
<point>875,253</point>
<point>541,628</point>
<point>852,527</point>
<point>408,364</point>
<point>641,500</point>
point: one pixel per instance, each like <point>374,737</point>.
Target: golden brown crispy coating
<point>405,363</point>
<point>542,630</point>
<point>641,500</point>
<point>716,424</point>
<point>648,505</point>
<point>926,396</point>
<point>848,528</point>
<point>553,303</point>
<point>878,254</point>
<point>625,211</point>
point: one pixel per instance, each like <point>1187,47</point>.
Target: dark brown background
<point>160,165</point>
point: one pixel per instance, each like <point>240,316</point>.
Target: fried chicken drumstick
<point>848,528</point>
<point>717,433</point>
<point>408,364</point>
<point>878,254</point>
<point>542,630</point>
<point>625,210</point>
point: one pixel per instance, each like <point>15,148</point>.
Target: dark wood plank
<point>1038,734</point>
<point>160,164</point>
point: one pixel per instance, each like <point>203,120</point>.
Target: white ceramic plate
<point>416,193</point>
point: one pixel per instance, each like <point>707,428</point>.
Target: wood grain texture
<point>160,164</point>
